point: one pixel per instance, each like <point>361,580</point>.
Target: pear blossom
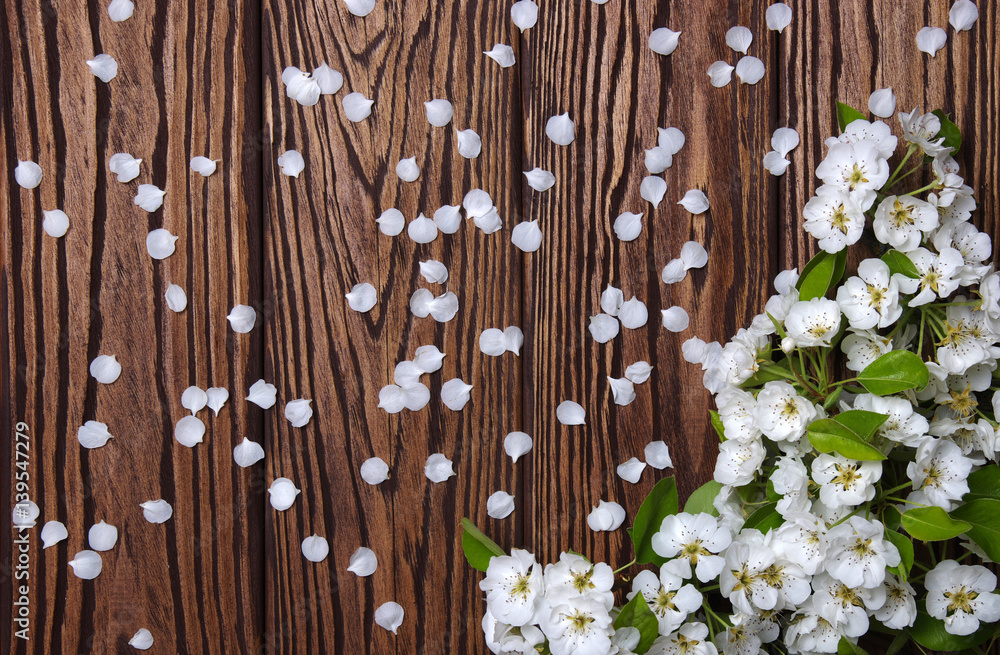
<point>743,576</point>
<point>940,473</point>
<point>863,347</point>
<point>903,425</point>
<point>738,461</point>
<point>845,608</point>
<point>962,596</point>
<point>781,413</point>
<point>801,540</point>
<point>901,221</point>
<point>856,168</point>
<point>834,218</point>
<point>812,323</point>
<point>514,587</point>
<point>871,298</point>
<point>876,132</point>
<point>668,597</point>
<point>844,482</point>
<point>938,274</point>
<point>858,553</point>
<point>689,639</point>
<point>921,130</point>
<point>581,626</point>
<point>695,540</point>
<point>574,576</point>
<point>900,609</point>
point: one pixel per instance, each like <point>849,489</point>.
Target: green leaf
<point>930,633</point>
<point>891,518</point>
<point>479,549</point>
<point>861,422</point>
<point>659,504</point>
<point>983,514</point>
<point>700,501</point>
<point>897,644</point>
<point>932,524</point>
<point>905,548</point>
<point>827,435</point>
<point>984,483</point>
<point>636,614</point>
<point>952,135</point>
<point>765,519</point>
<point>847,648</point>
<point>770,373</point>
<point>821,274</point>
<point>720,429</point>
<point>893,372</point>
<point>770,493</point>
<point>899,263</point>
<point>847,115</point>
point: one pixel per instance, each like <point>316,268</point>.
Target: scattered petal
<point>438,468</point>
<point>298,412</point>
<point>524,14</point>
<point>357,107</point>
<point>489,222</point>
<point>931,39</point>
<point>189,431</point>
<point>362,297</point>
<point>516,444</point>
<point>633,314</point>
<point>739,39</point>
<point>603,328</point>
<point>439,112</point>
<point>638,372</point>
<point>52,533</point>
<point>391,222</point>
<point>785,139</point>
<point>55,222</point>
<point>492,342</point>
<point>670,139</point>
<point>560,129</point>
<point>694,255</point>
<point>695,201</point>
<point>291,163</point>
<point>247,453</point>
<point>407,169</point>
<point>102,536</point>
<point>263,394</point>
<point>675,319</point>
<point>415,396</point>
<point>570,413</point>
<point>282,493</point>
<point>420,303</point>
<point>720,73</point>
<point>242,318</point>
<point>300,86</point>
<point>658,455</point>
<point>606,517</point>
<point>160,243</point>
<point>176,298</point>
<point>455,394</point>
<point>962,15</point>
<point>105,369</point>
<point>539,179</point>
<point>125,166</point>
<point>149,197</point>
<point>502,54</point>
<point>374,470</point>
<point>406,374</point>
<point>527,236</point>
<point>663,41</point>
<point>674,271</point>
<point>156,511</point>
<point>422,229</point>
<point>28,174</point>
<point>217,397</point>
<point>612,300</point>
<point>469,143</point>
<point>500,505</point>
<point>658,159</point>
<point>628,226</point>
<point>25,513</point>
<point>775,163</point>
<point>120,10</point>
<point>93,434</point>
<point>448,218</point>
<point>86,564</point>
<point>194,399</point>
<point>360,8</point>
<point>882,103</point>
<point>434,271</point>
<point>631,470</point>
<point>514,339</point>
<point>315,548</point>
<point>389,616</point>
<point>329,80</point>
<point>428,358</point>
<point>203,166</point>
<point>622,390</point>
<point>141,640</point>
<point>477,203</point>
<point>750,70</point>
<point>778,16</point>
<point>104,67</point>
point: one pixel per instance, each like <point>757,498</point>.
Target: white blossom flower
<point>695,540</point>
<point>781,413</point>
<point>743,579</point>
<point>902,221</point>
<point>900,608</point>
<point>962,596</point>
<point>857,168</point>
<point>938,274</point>
<point>690,639</point>
<point>904,425</point>
<point>877,132</point>
<point>809,632</point>
<point>812,323</point>
<point>845,608</point>
<point>573,576</point>
<point>738,461</point>
<point>863,347</point>
<point>834,218</point>
<point>940,473</point>
<point>919,129</point>
<point>858,553</point>
<point>581,626</point>
<point>963,345</point>
<point>871,298</point>
<point>735,408</point>
<point>514,587</point>
<point>667,596</point>
<point>802,540</point>
<point>845,482</point>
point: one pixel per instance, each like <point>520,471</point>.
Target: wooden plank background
<point>226,573</point>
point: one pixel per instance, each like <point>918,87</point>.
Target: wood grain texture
<point>185,87</point>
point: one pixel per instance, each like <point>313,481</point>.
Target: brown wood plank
<point>185,87</point>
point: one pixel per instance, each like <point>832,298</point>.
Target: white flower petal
<point>455,394</point>
<point>962,15</point>
<point>315,548</point>
<point>156,511</point>
<point>671,139</point>
<point>448,218</point>
<point>262,394</point>
<point>407,169</point>
<point>633,314</point>
<point>477,203</point>
<point>86,564</point>
<point>469,143</point>
<point>784,140</point>
<point>360,8</point>
<point>658,159</point>
<point>603,328</point>
<point>302,88</point>
<point>931,39</point>
<point>247,453</point>
<point>160,243</point>
<point>391,399</point>
<point>540,179</point>
<point>282,493</point>
<point>27,174</point>
<point>658,455</point>
<point>524,14</point>
<point>189,431</point>
<point>203,166</point>
<point>422,229</point>
<point>391,222</point>
<point>489,222</point>
<point>695,201</point>
<point>638,372</point>
<point>329,80</point>
<point>501,54</point>
<point>560,129</point>
<point>516,444</point>
<point>622,390</point>
<point>104,67</point>
<point>492,342</point>
<point>120,10</point>
<point>362,297</point>
<point>125,166</point>
<point>420,303</point>
<point>55,222</point>
<point>357,107</point>
<point>674,271</point>
<point>499,505</point>
<point>299,411</point>
<point>141,640</point>
<point>217,397</point>
<point>93,434</point>
<point>428,358</point>
<point>52,533</point>
<point>693,350</point>
<point>105,369</point>
<point>374,470</point>
<point>444,307</point>
<point>438,468</point>
<point>571,413</point>
<point>363,562</point>
<point>778,16</point>
<point>415,396</point>
<point>628,226</point>
<point>775,163</point>
<point>176,298</point>
<point>739,39</point>
<point>149,197</point>
<point>675,319</point>
<point>750,70</point>
<point>631,470</point>
<point>653,189</point>
<point>606,517</point>
<point>694,255</point>
<point>720,73</point>
<point>389,616</point>
<point>882,103</point>
<point>291,163</point>
<point>612,300</point>
<point>663,40</point>
<point>439,112</point>
<point>25,513</point>
<point>102,536</point>
<point>527,236</point>
<point>242,318</point>
<point>513,339</point>
<point>434,271</point>
<point>194,399</point>
<point>289,73</point>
